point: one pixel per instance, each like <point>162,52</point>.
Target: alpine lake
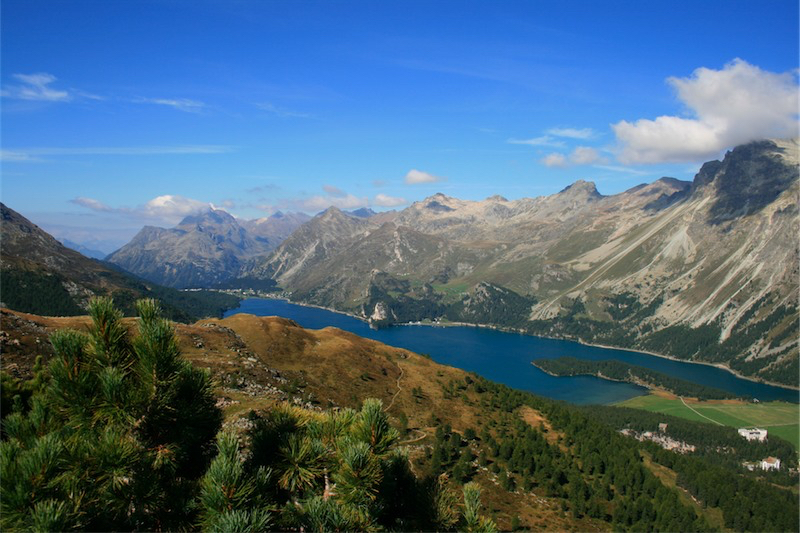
<point>505,357</point>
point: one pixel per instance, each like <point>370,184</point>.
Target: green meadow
<point>779,418</point>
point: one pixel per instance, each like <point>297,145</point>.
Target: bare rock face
<point>705,270</point>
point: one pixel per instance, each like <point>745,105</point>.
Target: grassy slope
<point>779,418</point>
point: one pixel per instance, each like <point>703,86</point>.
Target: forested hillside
<point>620,371</point>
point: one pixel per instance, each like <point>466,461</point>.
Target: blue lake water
<point>506,357</point>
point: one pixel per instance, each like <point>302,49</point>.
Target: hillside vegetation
<point>615,370</point>
<point>538,464</point>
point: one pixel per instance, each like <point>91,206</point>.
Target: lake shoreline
<point>719,366</point>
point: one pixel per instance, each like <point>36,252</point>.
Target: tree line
<point>616,370</point>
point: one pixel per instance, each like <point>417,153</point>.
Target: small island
<point>615,370</point>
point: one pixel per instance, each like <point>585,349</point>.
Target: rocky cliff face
<point>705,270</point>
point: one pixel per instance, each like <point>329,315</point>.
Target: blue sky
<point>117,114</point>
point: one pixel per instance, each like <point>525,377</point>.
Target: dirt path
<point>417,439</point>
<point>698,413</point>
<point>399,387</point>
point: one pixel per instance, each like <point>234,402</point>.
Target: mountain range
<point>704,270</point>
<point>85,250</point>
<point>204,249</point>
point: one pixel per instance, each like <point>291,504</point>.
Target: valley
<point>404,266</point>
<point>779,418</point>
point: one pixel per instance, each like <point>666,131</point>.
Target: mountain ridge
<point>713,260</point>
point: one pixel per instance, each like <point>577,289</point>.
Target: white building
<point>753,434</point>
<point>771,463</point>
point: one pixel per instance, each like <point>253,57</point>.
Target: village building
<point>753,434</point>
<point>771,463</point>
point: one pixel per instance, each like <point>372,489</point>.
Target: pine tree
<point>118,434</point>
<point>232,500</point>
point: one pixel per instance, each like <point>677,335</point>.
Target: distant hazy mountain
<point>275,228</point>
<point>204,249</point>
<point>88,252</point>
<point>364,212</point>
<point>40,275</point>
<point>704,270</point>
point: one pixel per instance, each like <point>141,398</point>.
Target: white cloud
<point>31,154</point>
<point>167,209</point>
<point>35,87</point>
<point>415,176</point>
<point>582,155</point>
<point>334,196</point>
<point>544,140</point>
<point>91,203</point>
<point>226,204</point>
<point>384,200</point>
<point>734,105</point>
<point>282,112</point>
<point>171,206</point>
<point>572,133</point>
<point>15,156</point>
<point>181,104</point>
<point>627,170</point>
<point>554,160</point>
<point>330,190</point>
<point>585,155</point>
<point>320,203</point>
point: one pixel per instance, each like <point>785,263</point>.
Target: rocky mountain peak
<point>207,219</point>
<point>439,203</point>
<point>581,189</point>
<point>363,212</point>
<point>497,198</point>
<point>332,213</point>
<point>748,178</point>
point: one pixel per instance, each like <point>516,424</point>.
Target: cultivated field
<point>779,418</point>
